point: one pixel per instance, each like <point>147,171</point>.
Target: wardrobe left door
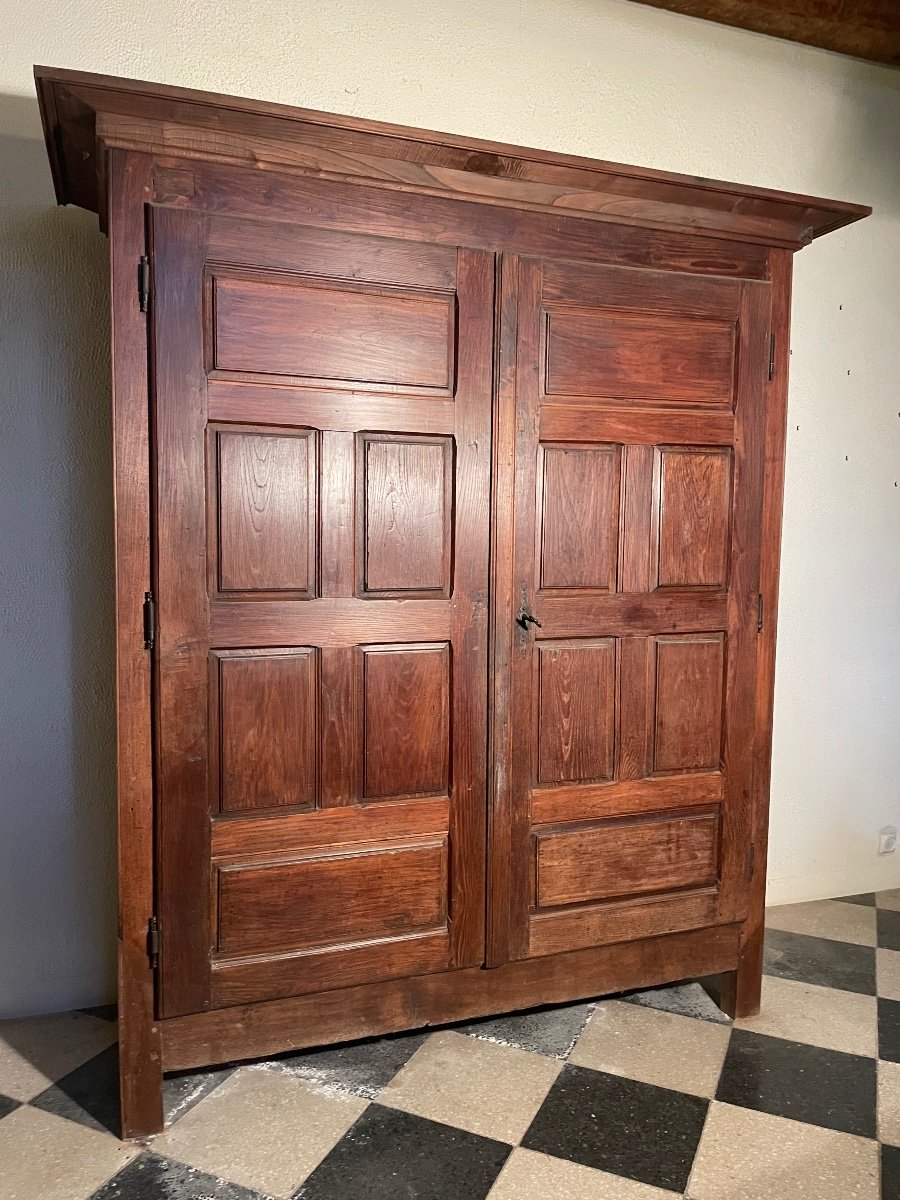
<point>321,407</point>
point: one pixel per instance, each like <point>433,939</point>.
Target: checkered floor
<point>650,1095</point>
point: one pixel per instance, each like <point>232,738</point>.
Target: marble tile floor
<point>640,1097</point>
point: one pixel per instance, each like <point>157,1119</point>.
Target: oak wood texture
<point>864,29</point>
<point>140,1048</point>
<point>332,651</point>
<point>77,106</point>
<point>651,674</point>
<point>376,355</point>
<point>253,1030</point>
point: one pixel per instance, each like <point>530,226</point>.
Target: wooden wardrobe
<point>448,487</point>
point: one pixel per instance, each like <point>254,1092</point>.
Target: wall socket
<point>887,839</point>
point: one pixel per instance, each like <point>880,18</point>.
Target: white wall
<point>600,77</point>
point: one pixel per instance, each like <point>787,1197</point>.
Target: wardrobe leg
<point>741,988</point>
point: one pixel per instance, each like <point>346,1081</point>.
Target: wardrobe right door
<point>626,654</point>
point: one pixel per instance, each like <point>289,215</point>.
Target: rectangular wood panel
<point>330,899</point>
<point>263,735</point>
<point>265,510</point>
<point>639,357</point>
<point>625,858</point>
<point>345,333</point>
<point>405,502</point>
<point>576,710</point>
<point>406,706</point>
<point>694,516</point>
<point>690,672</point>
<point>579,516</point>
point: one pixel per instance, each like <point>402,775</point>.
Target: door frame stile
<point>140,1043</point>
<point>501,588</point>
<point>741,988</point>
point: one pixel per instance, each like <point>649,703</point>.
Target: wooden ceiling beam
<point>868,29</point>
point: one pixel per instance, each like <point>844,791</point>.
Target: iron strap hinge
<point>149,621</point>
<point>759,613</point>
<point>771,356</point>
<point>143,281</point>
<point>153,942</point>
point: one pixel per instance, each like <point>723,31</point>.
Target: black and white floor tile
<point>641,1097</point>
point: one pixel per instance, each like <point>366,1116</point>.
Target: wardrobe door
<point>623,805</point>
<point>322,440</point>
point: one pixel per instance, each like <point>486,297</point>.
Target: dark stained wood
<point>179,121</point>
<point>266,511</point>
<point>692,516</point>
<point>338,826</point>
<point>551,805</point>
<point>406,499</point>
<point>331,334</point>
<point>556,930</point>
<point>407,720</point>
<point>376,354</point>
<point>741,989</point>
<point>253,1030</point>
<point>576,710</point>
<point>689,680</point>
<point>263,743</point>
<point>360,698</point>
<point>328,899</point>
<point>579,516</point>
<point>864,29</point>
<point>624,858</point>
<point>638,357</point>
<point>140,1045</point>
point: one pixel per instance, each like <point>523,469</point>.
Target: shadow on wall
<point>57,768</point>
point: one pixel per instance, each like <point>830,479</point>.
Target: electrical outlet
<point>887,839</point>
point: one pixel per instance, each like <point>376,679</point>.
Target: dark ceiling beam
<point>867,29</point>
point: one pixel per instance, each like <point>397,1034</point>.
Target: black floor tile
<point>888,929</point>
<point>360,1068</point>
<point>820,960</point>
<point>806,1083</point>
<point>866,898</point>
<point>88,1095</point>
<point>619,1125</point>
<point>182,1091</point>
<point>549,1031</point>
<point>391,1155</point>
<point>889,1029</point>
<point>685,999</point>
<point>152,1177</point>
<point>890,1173</point>
<point>7,1105</point>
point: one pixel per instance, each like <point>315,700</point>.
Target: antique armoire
<point>448,487</point>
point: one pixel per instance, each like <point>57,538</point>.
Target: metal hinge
<point>149,621</point>
<point>144,282</point>
<point>751,860</point>
<point>153,942</point>
<point>759,613</point>
<point>771,355</point>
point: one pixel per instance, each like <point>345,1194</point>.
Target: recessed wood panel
<point>330,900</point>
<point>346,334</point>
<point>690,674</point>
<point>579,517</point>
<point>263,745</point>
<point>694,488</point>
<point>406,486</point>
<point>576,710</point>
<point>625,858</point>
<point>407,720</point>
<point>633,356</point>
<point>266,512</point>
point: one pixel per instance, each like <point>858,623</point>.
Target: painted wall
<point>598,77</point>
